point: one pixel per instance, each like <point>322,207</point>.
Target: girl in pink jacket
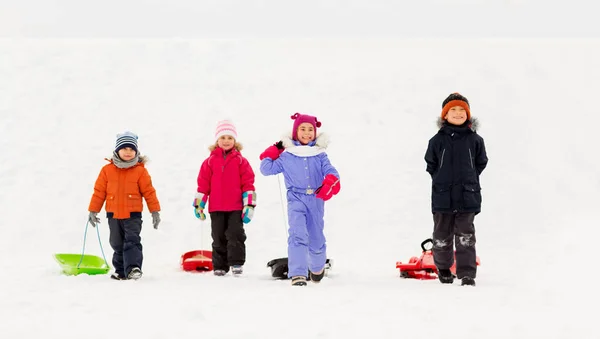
<point>226,183</point>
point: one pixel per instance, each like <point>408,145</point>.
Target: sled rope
<point>84,241</point>
<point>201,240</point>
<point>282,206</point>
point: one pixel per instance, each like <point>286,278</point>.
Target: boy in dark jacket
<point>455,158</point>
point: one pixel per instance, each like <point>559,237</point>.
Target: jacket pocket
<point>440,196</point>
<point>471,195</point>
<point>134,202</point>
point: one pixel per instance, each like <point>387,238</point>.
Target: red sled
<point>197,261</point>
<point>423,268</point>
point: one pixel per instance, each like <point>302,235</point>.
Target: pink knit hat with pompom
<point>225,127</point>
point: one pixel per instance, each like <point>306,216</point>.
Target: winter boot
<point>117,276</point>
<point>135,273</point>
<point>299,281</point>
<point>237,269</point>
<point>316,277</point>
<point>467,281</point>
<point>445,276</point>
<point>220,273</point>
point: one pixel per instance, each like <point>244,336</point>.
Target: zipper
<point>121,206</point>
<point>442,161</point>
<point>471,157</point>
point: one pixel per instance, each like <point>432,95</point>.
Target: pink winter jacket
<point>224,177</point>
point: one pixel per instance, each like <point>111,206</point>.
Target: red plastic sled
<point>197,261</point>
<point>423,268</point>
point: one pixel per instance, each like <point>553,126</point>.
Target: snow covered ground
<point>64,100</point>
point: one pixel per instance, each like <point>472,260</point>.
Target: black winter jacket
<point>455,158</point>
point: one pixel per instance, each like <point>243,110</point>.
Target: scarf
<point>124,164</point>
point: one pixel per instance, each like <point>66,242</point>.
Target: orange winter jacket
<point>123,189</point>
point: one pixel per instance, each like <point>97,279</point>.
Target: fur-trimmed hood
<point>473,125</point>
<point>144,159</point>
<point>322,141</point>
<point>316,147</point>
<point>238,146</point>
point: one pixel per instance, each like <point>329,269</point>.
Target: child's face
<point>226,142</point>
<point>456,115</point>
<point>126,153</point>
<point>306,133</point>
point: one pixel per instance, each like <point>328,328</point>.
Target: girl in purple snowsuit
<point>310,180</point>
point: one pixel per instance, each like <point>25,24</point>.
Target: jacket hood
<point>238,146</point>
<point>322,141</point>
<point>473,124</point>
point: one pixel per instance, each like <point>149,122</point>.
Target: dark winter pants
<point>459,228</point>
<point>126,242</point>
<point>229,247</point>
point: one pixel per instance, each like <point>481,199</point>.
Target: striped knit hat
<point>225,127</point>
<point>126,139</point>
<point>456,99</point>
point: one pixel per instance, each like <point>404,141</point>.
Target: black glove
<point>279,145</point>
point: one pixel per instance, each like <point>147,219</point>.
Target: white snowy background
<point>73,74</point>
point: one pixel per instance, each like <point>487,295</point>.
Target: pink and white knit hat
<point>225,127</point>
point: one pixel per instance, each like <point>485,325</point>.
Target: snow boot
<point>135,273</point>
<point>445,276</point>
<point>237,269</point>
<point>316,277</point>
<point>299,281</point>
<point>117,276</point>
<point>467,281</point>
<point>220,273</point>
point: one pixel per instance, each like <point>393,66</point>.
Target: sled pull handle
<point>85,240</point>
<point>425,242</point>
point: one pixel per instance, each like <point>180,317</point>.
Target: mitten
<point>93,219</point>
<point>200,205</point>
<point>155,219</point>
<point>273,151</point>
<point>249,201</point>
<point>247,214</point>
<point>329,187</point>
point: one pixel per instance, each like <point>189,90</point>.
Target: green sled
<point>74,264</point>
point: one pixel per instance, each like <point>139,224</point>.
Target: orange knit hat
<point>455,99</point>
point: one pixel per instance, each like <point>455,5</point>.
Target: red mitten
<point>273,151</point>
<point>329,187</point>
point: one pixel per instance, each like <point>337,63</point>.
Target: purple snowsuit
<point>303,168</point>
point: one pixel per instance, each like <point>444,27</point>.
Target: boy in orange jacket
<point>122,183</point>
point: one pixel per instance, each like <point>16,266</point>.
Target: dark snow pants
<point>448,229</point>
<point>229,237</point>
<point>126,243</point>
